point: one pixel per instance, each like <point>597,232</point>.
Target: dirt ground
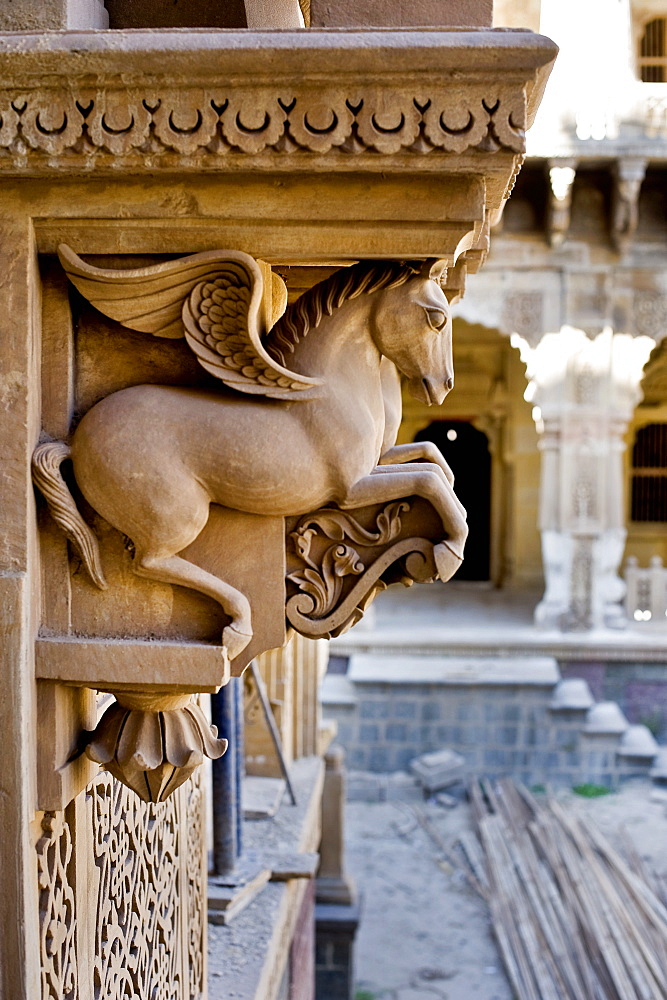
<point>424,933</point>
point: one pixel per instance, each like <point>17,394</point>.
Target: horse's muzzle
<point>430,390</point>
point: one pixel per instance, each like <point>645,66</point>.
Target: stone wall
<point>639,688</point>
<point>501,726</point>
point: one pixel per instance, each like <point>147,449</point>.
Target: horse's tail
<point>46,475</point>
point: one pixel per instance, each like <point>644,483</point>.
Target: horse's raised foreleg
<point>397,482</point>
<point>425,467</point>
<point>175,569</point>
<point>416,451</point>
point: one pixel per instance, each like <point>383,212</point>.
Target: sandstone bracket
<point>333,564</point>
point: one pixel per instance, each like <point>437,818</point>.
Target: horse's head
<point>413,328</point>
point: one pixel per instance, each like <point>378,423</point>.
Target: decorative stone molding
<point>54,128</point>
<point>649,315</point>
<point>148,917</point>
<point>153,743</point>
<point>81,103</point>
<point>348,558</point>
<point>523,314</point>
<point>57,909</point>
<point>130,921</point>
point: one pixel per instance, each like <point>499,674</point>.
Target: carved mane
<point>324,298</point>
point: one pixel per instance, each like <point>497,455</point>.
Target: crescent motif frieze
<point>199,123</point>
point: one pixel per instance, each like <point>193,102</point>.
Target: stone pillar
<point>584,392</point>
<point>333,885</point>
<point>337,909</point>
<point>628,177</point>
<point>561,180</point>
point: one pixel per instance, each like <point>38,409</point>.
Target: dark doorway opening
<point>467,451</point>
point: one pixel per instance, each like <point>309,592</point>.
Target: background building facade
<point>574,290</point>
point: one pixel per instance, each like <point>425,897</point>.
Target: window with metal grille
<point>649,474</point>
<point>653,52</point>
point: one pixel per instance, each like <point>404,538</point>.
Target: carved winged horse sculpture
<point>152,458</point>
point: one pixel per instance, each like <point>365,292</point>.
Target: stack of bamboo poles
<point>573,919</point>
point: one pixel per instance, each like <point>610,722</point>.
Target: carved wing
<point>213,299</point>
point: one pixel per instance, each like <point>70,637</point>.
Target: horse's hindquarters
<point>128,466</point>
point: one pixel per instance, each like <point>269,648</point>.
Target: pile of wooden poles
<point>574,920</point>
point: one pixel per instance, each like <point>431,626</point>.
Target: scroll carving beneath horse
<point>307,412</point>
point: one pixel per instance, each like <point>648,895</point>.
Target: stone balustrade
<point>646,595</point>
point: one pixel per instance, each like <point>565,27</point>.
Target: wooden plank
<point>573,920</point>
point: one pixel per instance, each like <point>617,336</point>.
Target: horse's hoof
<point>234,641</point>
<point>446,560</point>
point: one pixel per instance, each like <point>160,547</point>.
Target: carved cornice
<point>110,101</point>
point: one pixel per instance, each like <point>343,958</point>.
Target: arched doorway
<point>467,451</point>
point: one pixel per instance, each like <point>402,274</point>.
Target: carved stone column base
<point>583,589</point>
<point>153,743</point>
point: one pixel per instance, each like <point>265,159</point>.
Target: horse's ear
<point>434,269</point>
<point>438,271</point>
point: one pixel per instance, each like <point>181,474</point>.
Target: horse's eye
<point>436,318</point>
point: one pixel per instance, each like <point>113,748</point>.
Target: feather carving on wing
<point>213,299</point>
